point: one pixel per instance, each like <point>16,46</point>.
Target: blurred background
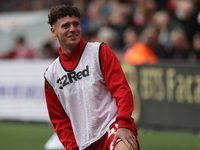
<point>157,43</point>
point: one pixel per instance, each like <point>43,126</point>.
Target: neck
<point>68,49</point>
<point>67,52</point>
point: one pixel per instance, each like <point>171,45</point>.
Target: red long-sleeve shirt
<point>115,82</point>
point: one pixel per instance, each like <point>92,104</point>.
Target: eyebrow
<point>67,23</point>
<point>64,24</point>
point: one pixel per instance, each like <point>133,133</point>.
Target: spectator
<point>130,36</point>
<point>186,13</point>
<point>119,19</point>
<point>92,17</point>
<point>109,36</point>
<point>20,50</point>
<point>49,50</point>
<point>180,45</point>
<point>142,52</point>
<point>165,24</point>
<point>195,53</point>
<point>143,13</point>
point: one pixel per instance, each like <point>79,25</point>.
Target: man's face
<point>68,32</point>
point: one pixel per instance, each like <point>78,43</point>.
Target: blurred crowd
<point>138,31</point>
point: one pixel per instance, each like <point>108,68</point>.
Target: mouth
<point>72,36</point>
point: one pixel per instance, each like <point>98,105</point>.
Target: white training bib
<point>84,95</point>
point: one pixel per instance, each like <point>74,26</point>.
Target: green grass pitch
<point>32,136</point>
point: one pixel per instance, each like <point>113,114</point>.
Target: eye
<point>65,25</point>
<point>76,23</point>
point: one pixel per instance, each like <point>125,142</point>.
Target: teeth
<point>73,36</point>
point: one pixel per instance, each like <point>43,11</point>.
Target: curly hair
<point>62,11</point>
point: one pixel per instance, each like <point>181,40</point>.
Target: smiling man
<point>88,98</point>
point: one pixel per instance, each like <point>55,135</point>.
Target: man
<point>88,98</point>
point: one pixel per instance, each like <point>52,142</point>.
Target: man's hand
<point>127,137</point>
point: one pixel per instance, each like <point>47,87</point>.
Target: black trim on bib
<point>100,55</point>
<point>47,80</point>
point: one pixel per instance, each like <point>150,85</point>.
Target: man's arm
<point>59,119</point>
<point>117,85</point>
<point>120,90</point>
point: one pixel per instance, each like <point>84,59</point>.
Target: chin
<point>77,41</point>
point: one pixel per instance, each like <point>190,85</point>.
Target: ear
<point>53,31</point>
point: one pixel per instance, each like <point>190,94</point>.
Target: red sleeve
<point>117,85</point>
<point>59,119</point>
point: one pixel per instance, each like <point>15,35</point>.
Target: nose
<point>71,28</point>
